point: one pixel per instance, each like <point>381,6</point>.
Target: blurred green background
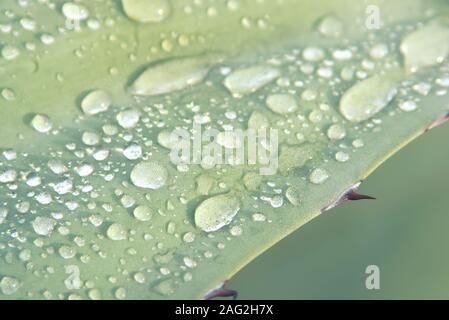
<point>404,232</point>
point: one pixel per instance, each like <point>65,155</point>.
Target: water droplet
<point>281,103</point>
<point>28,23</point>
<point>236,231</point>
<point>149,175</point>
<point>128,118</point>
<point>216,212</point>
<point>188,237</point>
<point>116,232</point>
<point>57,167</point>
<point>293,195</point>
<point>368,97</point>
<point>173,75</point>
<point>258,120</point>
<point>408,105</point>
<point>74,11</point>
<point>145,11</point>
<point>313,54</point>
<point>318,176</point>
<point>120,293</point>
<point>10,52</point>
<point>133,152</point>
<point>259,217</point>
<point>96,102</point>
<point>426,46</point>
<point>94,294</point>
<point>84,170</point>
<point>336,132</point>
<point>8,94</point>
<point>9,285</point>
<point>245,81</point>
<point>358,143</point>
<point>330,26</point>
<point>139,277</point>
<point>165,287</point>
<point>143,213</point>
<point>90,138</point>
<point>341,156</point>
<point>67,252</point>
<point>7,176</point>
<point>379,51</point>
<point>189,262</point>
<point>41,123</point>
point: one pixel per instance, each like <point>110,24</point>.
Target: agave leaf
<point>84,228</point>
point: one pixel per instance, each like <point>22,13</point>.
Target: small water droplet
<point>341,156</point>
<point>313,54</point>
<point>10,52</point>
<point>116,232</point>
<point>120,293</point>
<point>408,105</point>
<point>259,217</point>
<point>8,94</point>
<point>318,176</point>
<point>336,132</point>
<point>293,195</point>
<point>9,285</point>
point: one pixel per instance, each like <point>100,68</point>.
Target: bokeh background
<point>404,232</point>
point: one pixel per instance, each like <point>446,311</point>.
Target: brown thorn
<point>349,194</point>
<point>354,196</point>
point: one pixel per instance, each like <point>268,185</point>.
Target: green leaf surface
<point>91,205</point>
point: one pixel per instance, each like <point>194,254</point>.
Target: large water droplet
<point>282,103</point>
<point>173,75</point>
<point>149,175</point>
<point>330,26</point>
<point>43,226</point>
<point>143,213</point>
<point>95,102</point>
<point>74,11</point>
<point>216,212</point>
<point>41,123</point>
<point>368,97</point>
<point>249,80</point>
<point>426,46</point>
<point>145,11</point>
<point>128,118</point>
